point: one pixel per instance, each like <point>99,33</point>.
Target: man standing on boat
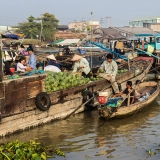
<point>109,70</point>
<point>32,59</point>
<point>81,65</point>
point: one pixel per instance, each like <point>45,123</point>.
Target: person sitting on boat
<point>53,61</point>
<point>52,64</point>
<point>81,64</point>
<point>109,70</point>
<point>32,59</point>
<point>21,65</point>
<point>128,90</point>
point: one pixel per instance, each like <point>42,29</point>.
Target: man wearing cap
<point>82,65</point>
<point>110,68</point>
<point>32,59</point>
<point>52,64</point>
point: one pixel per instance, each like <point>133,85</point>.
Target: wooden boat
<point>18,98</point>
<point>124,111</point>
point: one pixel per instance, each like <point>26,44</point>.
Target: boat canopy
<point>147,35</point>
<point>68,42</point>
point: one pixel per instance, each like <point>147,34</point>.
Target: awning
<point>29,41</point>
<point>68,42</point>
<point>58,41</point>
<point>146,35</point>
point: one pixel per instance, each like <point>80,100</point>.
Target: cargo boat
<point>18,105</point>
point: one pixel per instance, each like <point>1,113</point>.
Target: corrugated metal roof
<point>111,33</point>
<point>135,30</point>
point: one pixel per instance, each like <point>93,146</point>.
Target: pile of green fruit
<point>63,80</point>
<point>95,78</point>
<point>122,71</point>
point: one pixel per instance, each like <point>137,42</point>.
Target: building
<point>132,31</point>
<point>83,26</point>
<point>141,22</point>
<point>103,35</point>
<point>69,35</point>
<point>153,26</point>
<point>4,29</point>
<point>62,28</point>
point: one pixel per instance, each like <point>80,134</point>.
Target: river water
<point>82,139</point>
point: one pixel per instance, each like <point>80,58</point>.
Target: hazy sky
<point>120,11</point>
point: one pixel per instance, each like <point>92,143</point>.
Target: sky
<point>121,12</point>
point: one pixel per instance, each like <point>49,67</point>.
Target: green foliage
<point>49,26</point>
<point>47,22</point>
<point>30,29</point>
<point>27,151</point>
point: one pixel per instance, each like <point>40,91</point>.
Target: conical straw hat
<point>76,57</point>
<point>51,57</point>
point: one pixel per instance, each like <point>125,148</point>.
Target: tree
<point>47,23</point>
<point>30,29</point>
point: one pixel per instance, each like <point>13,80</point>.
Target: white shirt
<point>52,68</point>
<point>21,67</point>
<point>83,62</point>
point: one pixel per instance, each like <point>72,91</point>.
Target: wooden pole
<point>1,70</point>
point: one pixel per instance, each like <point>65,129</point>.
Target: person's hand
<point>81,66</point>
<point>101,70</point>
<point>29,69</point>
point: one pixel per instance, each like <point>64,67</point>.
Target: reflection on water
<point>123,139</point>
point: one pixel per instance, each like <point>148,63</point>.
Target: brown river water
<point>81,138</point>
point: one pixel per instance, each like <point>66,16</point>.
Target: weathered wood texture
<point>17,102</point>
<point>16,93</point>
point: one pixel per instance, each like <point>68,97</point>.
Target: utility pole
<point>1,65</point>
<point>40,37</point>
<point>108,21</point>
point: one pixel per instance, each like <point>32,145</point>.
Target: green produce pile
<point>95,78</point>
<point>32,150</point>
<point>122,71</point>
<point>62,80</point>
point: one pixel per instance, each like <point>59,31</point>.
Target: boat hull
<point>17,101</point>
<point>126,111</point>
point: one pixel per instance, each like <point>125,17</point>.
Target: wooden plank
<point>1,67</point>
<point>1,90</point>
<point>33,88</point>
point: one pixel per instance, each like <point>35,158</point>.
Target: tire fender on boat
<point>43,101</point>
<point>87,94</point>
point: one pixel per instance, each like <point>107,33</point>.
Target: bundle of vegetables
<point>122,71</point>
<point>27,151</point>
<point>63,80</point>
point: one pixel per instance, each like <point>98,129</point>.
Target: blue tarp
<point>11,36</point>
<point>81,51</point>
<point>113,102</point>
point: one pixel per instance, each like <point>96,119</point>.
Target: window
<point>158,39</point>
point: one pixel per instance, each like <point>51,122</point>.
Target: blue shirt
<point>32,61</point>
<point>53,63</point>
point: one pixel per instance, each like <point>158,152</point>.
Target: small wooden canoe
<point>124,111</point>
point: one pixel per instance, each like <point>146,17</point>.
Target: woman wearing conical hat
<point>81,64</point>
<point>53,61</point>
<point>52,64</point>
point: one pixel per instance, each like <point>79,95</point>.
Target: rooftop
<point>135,30</point>
<point>144,19</point>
